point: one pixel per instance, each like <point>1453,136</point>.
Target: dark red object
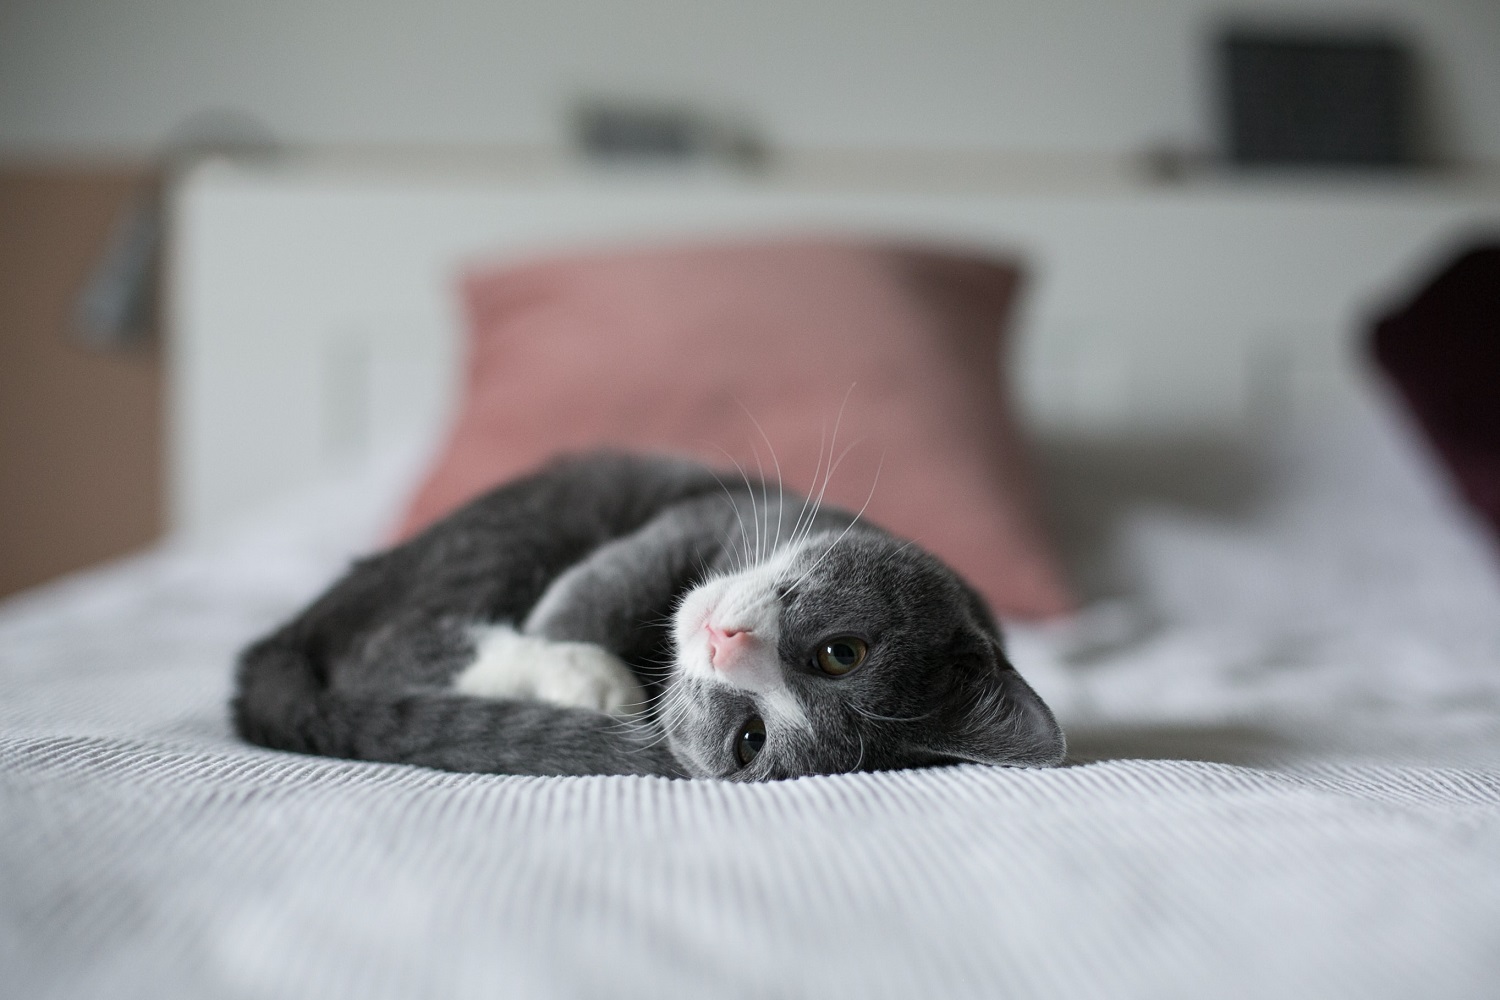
<point>1443,352</point>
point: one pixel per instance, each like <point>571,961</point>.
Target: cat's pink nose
<point>725,643</point>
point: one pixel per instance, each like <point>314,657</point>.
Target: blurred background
<point>99,102</point>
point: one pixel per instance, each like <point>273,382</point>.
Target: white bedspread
<point>1286,719</point>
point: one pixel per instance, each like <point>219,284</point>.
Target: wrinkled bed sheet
<point>1284,705</point>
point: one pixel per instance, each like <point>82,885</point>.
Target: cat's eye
<point>841,654</point>
<point>750,741</point>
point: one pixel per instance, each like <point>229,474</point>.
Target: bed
<point>1282,694</point>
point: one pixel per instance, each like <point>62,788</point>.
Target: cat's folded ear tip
<point>1054,747</point>
<point>1044,746</point>
<point>1055,754</point>
<point>1037,742</point>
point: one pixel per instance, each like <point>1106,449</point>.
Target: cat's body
<point>613,614</point>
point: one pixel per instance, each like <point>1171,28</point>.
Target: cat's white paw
<point>508,664</point>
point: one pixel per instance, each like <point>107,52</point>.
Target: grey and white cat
<point>613,614</point>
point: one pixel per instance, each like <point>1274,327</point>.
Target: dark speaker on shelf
<point>1304,98</point>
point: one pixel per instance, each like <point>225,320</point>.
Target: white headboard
<point>313,319</point>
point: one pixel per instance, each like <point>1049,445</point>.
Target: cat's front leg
<point>621,592</point>
<point>508,664</point>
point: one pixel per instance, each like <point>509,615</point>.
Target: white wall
<point>1049,75</point>
<point>1178,308</point>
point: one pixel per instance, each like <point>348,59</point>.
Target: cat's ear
<point>1001,720</point>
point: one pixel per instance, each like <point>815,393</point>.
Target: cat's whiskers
<point>754,509</point>
<point>669,704</point>
<point>744,539</point>
<point>815,495</point>
<point>653,735</point>
<point>639,722</point>
<point>760,477</point>
<point>828,551</point>
<point>811,514</point>
<point>817,469</point>
<point>757,515</point>
<point>780,485</point>
<point>636,724</point>
<point>652,723</point>
<point>832,467</point>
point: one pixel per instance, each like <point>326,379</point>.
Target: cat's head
<point>868,654</point>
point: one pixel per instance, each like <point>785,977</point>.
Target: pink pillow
<point>675,349</point>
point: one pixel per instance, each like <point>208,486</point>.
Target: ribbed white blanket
<point>1288,730</point>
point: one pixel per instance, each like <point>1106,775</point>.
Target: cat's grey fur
<point>624,553</point>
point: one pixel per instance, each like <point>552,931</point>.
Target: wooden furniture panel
<point>80,430</point>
